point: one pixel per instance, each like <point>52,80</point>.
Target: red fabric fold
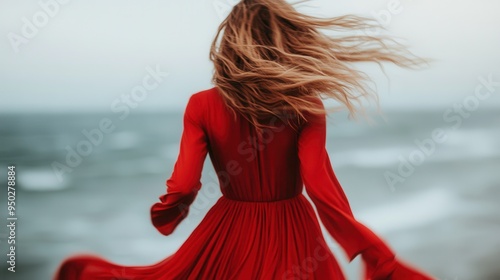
<point>173,208</point>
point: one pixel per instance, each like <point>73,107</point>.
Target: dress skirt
<point>235,240</point>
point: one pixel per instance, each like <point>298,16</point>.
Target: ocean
<point>428,182</point>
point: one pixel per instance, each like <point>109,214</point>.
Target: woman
<point>264,127</point>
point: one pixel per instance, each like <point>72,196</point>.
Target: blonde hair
<point>270,60</point>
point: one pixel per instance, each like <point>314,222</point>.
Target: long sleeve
<point>184,182</point>
<point>334,210</point>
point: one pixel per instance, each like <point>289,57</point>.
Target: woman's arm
<point>334,210</point>
<point>184,183</point>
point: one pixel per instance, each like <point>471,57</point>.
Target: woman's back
<point>249,167</point>
<point>261,179</point>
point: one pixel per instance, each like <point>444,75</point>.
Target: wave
<point>40,179</point>
<point>422,208</point>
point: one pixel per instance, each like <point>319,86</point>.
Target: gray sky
<point>88,55</point>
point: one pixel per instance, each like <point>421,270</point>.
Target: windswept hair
<point>272,61</point>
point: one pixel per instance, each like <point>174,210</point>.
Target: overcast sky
<point>88,55</point>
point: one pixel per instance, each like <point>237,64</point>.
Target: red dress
<point>262,227</point>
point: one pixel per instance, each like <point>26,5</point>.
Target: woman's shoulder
<point>199,102</point>
<point>205,94</point>
<point>205,98</point>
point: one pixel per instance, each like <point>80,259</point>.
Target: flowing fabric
<point>262,227</point>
